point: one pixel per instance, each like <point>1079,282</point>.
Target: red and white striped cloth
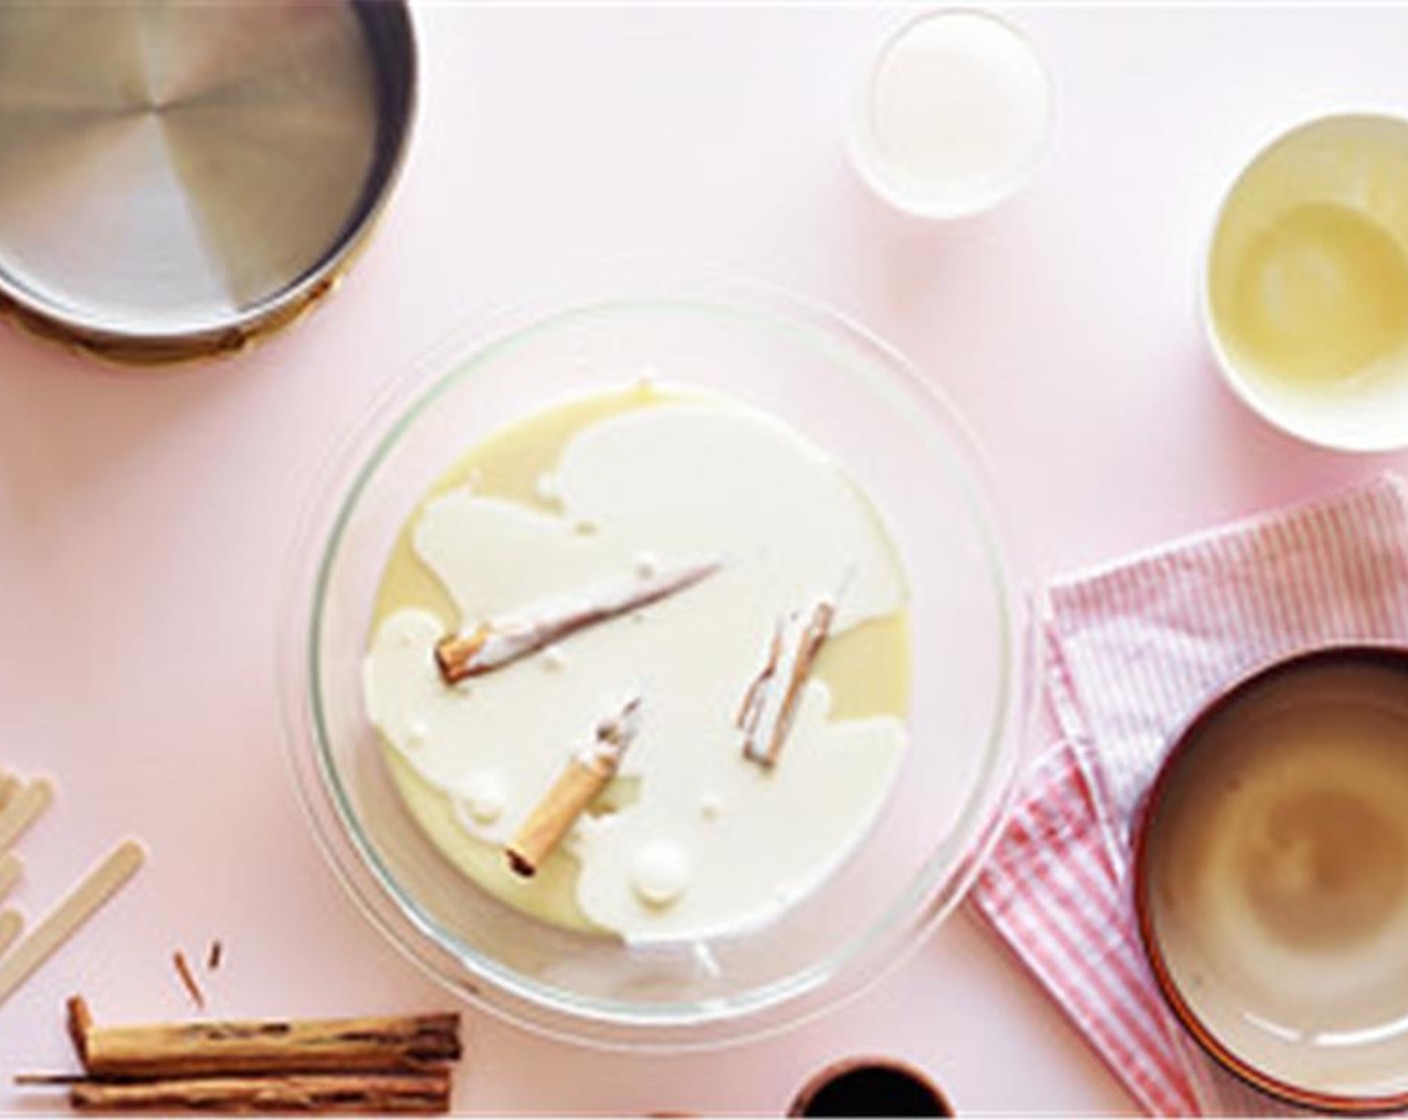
<point>1133,649</point>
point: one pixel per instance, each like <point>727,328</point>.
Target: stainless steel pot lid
<point>175,177</point>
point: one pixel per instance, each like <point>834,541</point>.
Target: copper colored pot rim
<point>1390,654</point>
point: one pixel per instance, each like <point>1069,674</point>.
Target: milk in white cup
<point>953,115</point>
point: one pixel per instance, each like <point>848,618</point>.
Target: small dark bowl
<point>1271,878</point>
<point>869,1087</point>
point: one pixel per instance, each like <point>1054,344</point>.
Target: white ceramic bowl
<point>1305,282</point>
<point>852,395</point>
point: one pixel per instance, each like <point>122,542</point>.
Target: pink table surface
<point>145,519</point>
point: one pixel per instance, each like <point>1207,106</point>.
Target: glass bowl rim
<point>945,875</point>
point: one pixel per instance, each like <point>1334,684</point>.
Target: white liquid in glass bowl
<point>902,444</point>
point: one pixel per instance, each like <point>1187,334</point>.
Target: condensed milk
<point>1305,287</point>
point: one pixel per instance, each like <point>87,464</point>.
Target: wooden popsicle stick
<point>63,921</point>
<point>9,786</point>
<point>11,868</point>
<point>11,926</point>
<point>24,809</point>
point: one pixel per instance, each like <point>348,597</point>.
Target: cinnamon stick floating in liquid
<point>423,1093</point>
<point>501,642</point>
<point>193,1049</point>
<point>770,704</point>
<point>586,775</point>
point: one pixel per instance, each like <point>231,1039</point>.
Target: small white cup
<point>1305,282</point>
<point>952,116</point>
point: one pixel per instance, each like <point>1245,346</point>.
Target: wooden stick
<point>424,1093</point>
<point>77,907</point>
<point>188,979</point>
<point>47,1078</point>
<point>500,642</point>
<point>163,1050</point>
<point>770,704</point>
<point>24,809</point>
<point>585,775</point>
<point>80,1026</point>
<point>9,786</point>
<point>11,868</point>
<point>11,926</point>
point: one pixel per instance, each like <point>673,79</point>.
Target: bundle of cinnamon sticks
<point>384,1065</point>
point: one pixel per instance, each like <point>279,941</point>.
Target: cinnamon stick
<point>585,776</point>
<point>770,704</point>
<point>422,1093</point>
<point>192,1049</point>
<point>501,642</point>
<point>188,979</point>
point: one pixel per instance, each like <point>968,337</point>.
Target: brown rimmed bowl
<point>1271,878</point>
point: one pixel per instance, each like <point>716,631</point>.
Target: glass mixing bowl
<point>899,439</point>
